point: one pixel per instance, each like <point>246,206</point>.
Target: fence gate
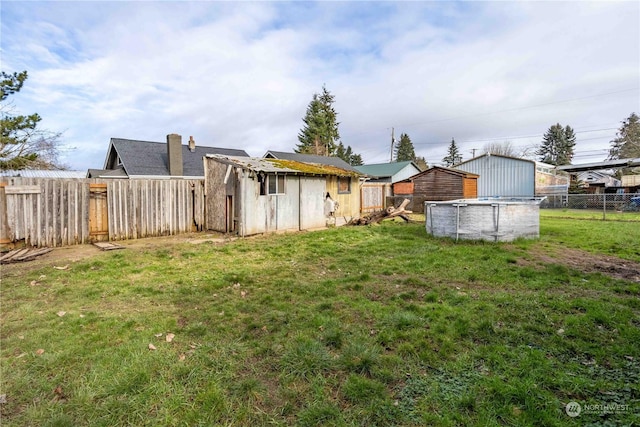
<point>98,213</point>
<point>372,198</point>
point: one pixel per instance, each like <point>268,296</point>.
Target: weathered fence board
<point>61,212</point>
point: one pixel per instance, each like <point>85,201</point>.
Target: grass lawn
<point>351,326</point>
<point>591,214</point>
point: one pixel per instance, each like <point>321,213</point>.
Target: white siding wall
<point>502,176</point>
<point>406,172</point>
<point>300,208</point>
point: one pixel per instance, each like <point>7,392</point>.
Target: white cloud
<point>241,75</point>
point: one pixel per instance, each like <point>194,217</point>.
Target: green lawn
<point>591,214</point>
<point>351,326</point>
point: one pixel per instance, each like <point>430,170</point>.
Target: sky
<point>241,74</point>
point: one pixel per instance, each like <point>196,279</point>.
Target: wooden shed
<point>248,195</point>
<point>439,183</point>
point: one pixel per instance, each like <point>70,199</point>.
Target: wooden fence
<point>61,212</point>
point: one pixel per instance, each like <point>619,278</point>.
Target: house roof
<point>601,165</point>
<point>442,168</point>
<point>599,177</point>
<point>146,158</point>
<point>382,170</point>
<point>271,165</point>
<point>312,158</point>
<point>106,173</point>
<point>39,173</point>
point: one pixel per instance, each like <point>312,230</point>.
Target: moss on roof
<point>311,168</point>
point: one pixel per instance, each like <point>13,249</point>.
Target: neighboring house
<point>344,189</point>
<point>259,195</point>
<point>596,182</point>
<point>439,183</point>
<point>381,182</point>
<point>631,183</point>
<point>127,158</point>
<point>502,176</point>
<point>389,172</point>
<point>550,181</point>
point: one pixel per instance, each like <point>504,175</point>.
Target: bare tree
<point>500,148</point>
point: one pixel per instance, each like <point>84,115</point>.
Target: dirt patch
<point>65,256</point>
<point>614,267</point>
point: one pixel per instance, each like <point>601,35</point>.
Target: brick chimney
<point>192,144</point>
<point>174,154</point>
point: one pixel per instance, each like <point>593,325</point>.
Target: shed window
<point>276,184</point>
<point>344,185</point>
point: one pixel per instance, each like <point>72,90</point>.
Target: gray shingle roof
<point>312,158</point>
<point>150,158</point>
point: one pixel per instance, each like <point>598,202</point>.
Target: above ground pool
<point>493,219</point>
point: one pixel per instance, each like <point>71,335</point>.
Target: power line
<point>520,108</point>
<point>511,137</point>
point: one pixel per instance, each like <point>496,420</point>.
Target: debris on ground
<point>108,246</point>
<point>390,212</point>
<point>25,254</point>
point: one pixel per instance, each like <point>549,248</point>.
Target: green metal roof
<point>382,170</point>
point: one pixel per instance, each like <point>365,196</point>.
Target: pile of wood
<point>390,212</point>
<point>19,255</point>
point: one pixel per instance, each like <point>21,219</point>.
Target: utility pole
<point>393,141</point>
<point>473,152</point>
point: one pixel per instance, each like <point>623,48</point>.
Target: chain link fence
<point>596,206</point>
<point>620,207</point>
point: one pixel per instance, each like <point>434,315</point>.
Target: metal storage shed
<point>502,176</point>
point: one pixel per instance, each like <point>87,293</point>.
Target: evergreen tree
<point>404,150</point>
<point>356,160</point>
<point>453,156</point>
<point>557,145</point>
<point>626,145</point>
<point>22,144</point>
<point>341,152</point>
<point>422,163</point>
<point>347,155</point>
<point>320,131</point>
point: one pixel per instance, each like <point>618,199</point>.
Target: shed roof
<point>312,158</point>
<point>147,158</point>
<point>433,169</point>
<point>494,155</point>
<point>271,165</point>
<point>380,170</point>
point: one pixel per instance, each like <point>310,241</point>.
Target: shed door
<point>312,193</point>
<point>98,213</point>
<point>470,190</point>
